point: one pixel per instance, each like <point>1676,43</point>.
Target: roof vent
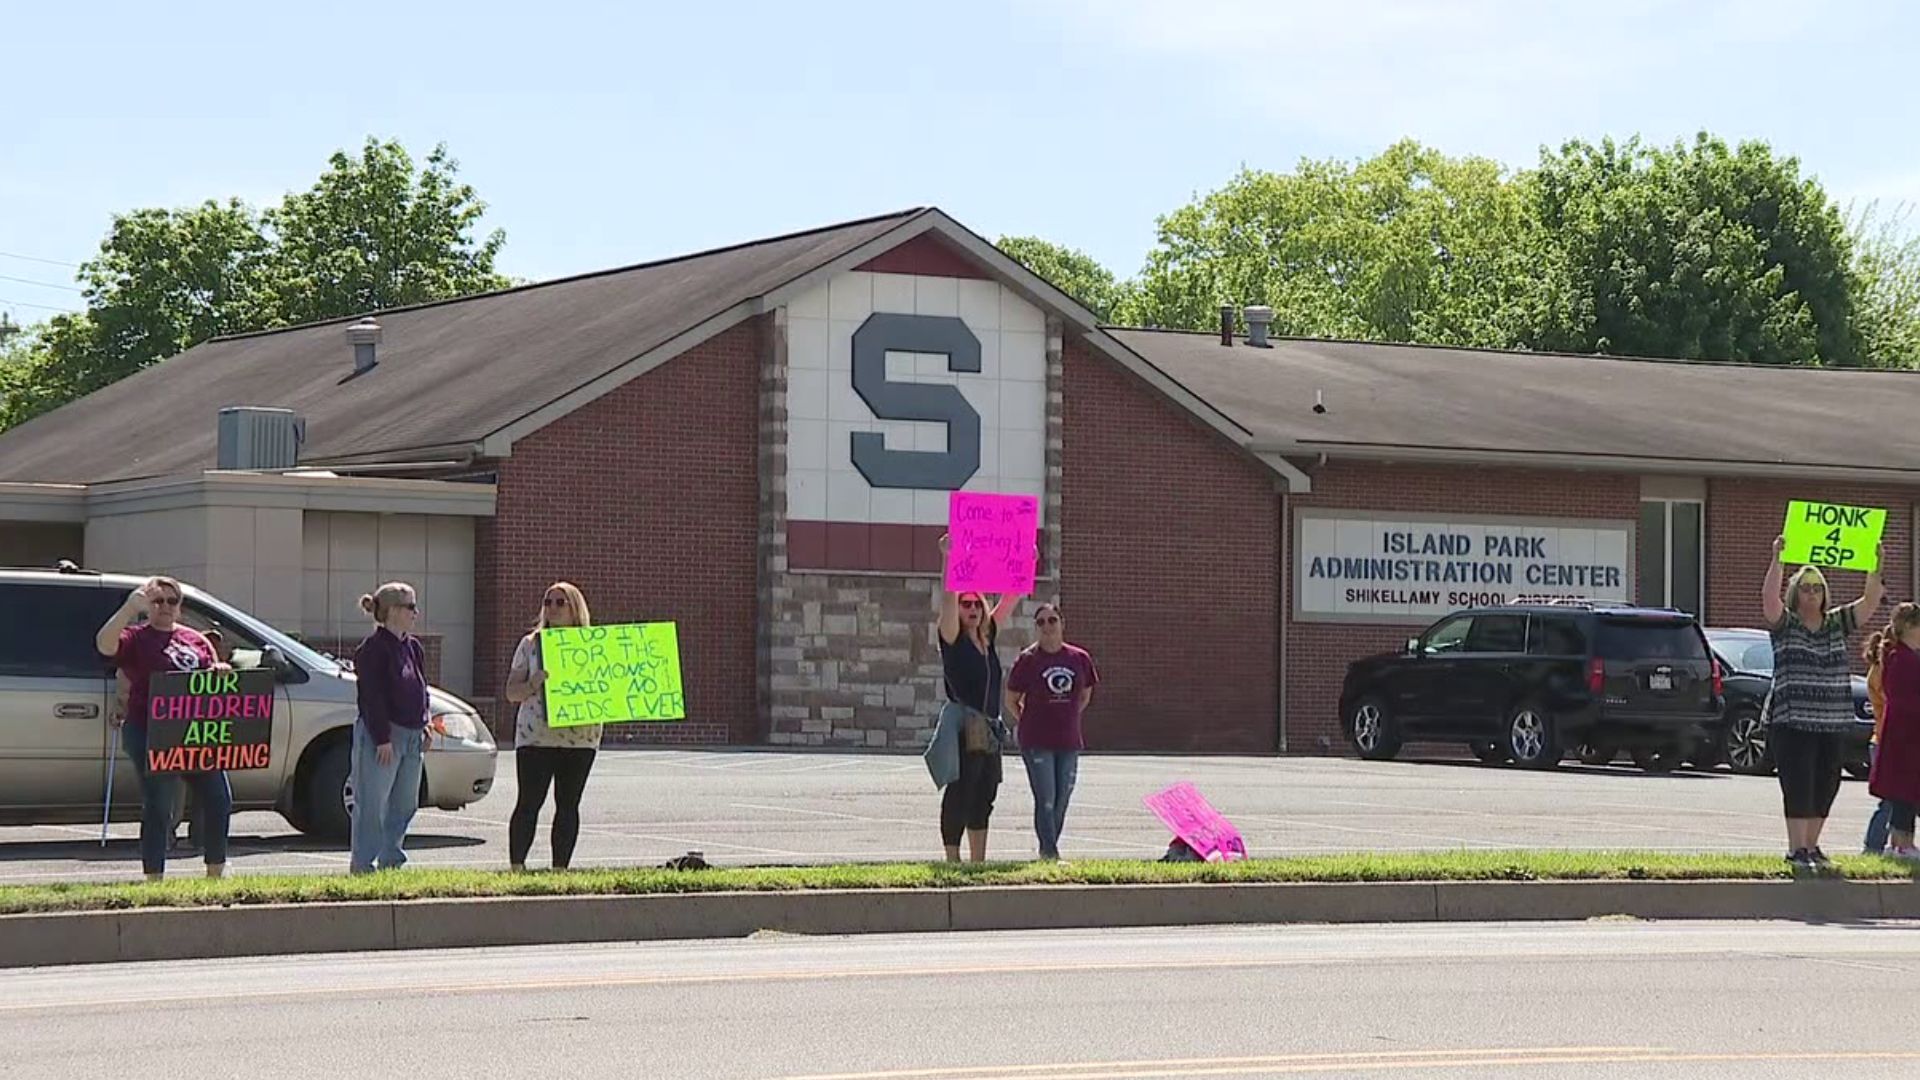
<point>1257,320</point>
<point>365,336</point>
<point>252,437</point>
<point>1226,325</point>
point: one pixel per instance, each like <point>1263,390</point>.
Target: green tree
<point>373,232</point>
<point>376,232</point>
<point>1411,245</point>
<point>1070,270</point>
<point>1694,252</point>
<point>1886,286</point>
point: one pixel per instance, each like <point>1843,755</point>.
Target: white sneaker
<point>1911,854</point>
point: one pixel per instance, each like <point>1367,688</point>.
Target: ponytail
<point>1876,648</point>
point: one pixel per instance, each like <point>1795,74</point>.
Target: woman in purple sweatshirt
<point>390,666</point>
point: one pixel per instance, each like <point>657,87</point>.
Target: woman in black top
<point>974,681</point>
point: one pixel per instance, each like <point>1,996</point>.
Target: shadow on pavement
<point>120,849</point>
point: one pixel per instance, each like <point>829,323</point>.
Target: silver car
<point>56,695</point>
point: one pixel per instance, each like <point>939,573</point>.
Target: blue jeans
<point>1051,773</point>
<point>384,798</point>
<point>1880,825</point>
<point>160,793</point>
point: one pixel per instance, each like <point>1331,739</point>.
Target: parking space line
<point>1583,822</point>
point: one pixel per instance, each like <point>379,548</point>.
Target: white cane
<point>106,811</point>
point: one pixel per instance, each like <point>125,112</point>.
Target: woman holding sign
<point>1810,708</point>
<point>964,756</point>
<point>390,668</point>
<point>140,652</point>
<point>544,755</point>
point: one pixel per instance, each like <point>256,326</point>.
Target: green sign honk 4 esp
<point>1831,535</point>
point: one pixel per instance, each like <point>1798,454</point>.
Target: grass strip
<point>187,891</point>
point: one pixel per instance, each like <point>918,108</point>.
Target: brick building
<point>757,443</point>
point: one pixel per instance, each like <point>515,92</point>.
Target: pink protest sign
<point>1190,817</point>
<point>990,542</point>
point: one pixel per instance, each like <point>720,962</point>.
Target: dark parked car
<point>1747,657</point>
<point>1526,683</point>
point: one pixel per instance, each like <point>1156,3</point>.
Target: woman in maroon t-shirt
<point>140,652</point>
<point>1047,692</point>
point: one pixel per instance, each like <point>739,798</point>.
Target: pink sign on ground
<point>1198,824</point>
<point>990,542</point>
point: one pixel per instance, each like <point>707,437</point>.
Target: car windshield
<point>1746,652</point>
<point>293,650</point>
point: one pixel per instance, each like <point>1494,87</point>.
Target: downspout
<point>1280,549</point>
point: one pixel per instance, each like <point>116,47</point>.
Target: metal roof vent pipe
<point>1258,319</point>
<point>365,336</point>
<point>1226,325</point>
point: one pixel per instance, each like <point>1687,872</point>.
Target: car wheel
<point>1490,752</point>
<point>1373,731</point>
<point>329,793</point>
<point>1531,738</point>
<point>1746,744</point>
<point>1595,754</point>
<point>1657,759</point>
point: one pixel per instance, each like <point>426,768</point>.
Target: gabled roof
<point>450,374</point>
<point>1416,402</point>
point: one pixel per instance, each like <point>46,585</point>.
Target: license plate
<point>1659,681</point>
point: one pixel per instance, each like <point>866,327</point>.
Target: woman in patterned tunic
<point>1810,708</point>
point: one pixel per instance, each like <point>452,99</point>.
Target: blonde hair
<point>1904,618</point>
<point>380,602</point>
<point>578,602</point>
<point>1807,575</point>
<point>166,583</point>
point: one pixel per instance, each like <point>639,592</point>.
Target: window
<point>1671,553</point>
<point>238,646</point>
<point>1449,637</point>
<point>55,641</point>
<point>1557,637</point>
<point>1651,639</point>
<point>1498,634</point>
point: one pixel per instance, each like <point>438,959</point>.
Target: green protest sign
<point>612,674</point>
<point>1826,534</point>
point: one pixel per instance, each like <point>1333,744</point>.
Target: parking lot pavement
<point>646,806</point>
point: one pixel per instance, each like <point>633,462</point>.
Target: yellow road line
<point>1293,1065</point>
<point>1050,1069</point>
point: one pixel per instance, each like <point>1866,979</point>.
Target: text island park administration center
<point>758,443</point>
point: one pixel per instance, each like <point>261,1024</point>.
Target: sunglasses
<point>410,606</point>
<point>972,605</point>
<point>556,601</point>
<point>1047,620</point>
<point>164,601</point>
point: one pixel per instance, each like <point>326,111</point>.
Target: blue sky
<point>606,134</point>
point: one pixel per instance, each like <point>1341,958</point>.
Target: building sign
<point>902,388</point>
<point>1403,568</point>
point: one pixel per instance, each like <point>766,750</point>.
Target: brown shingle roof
<point>450,373</point>
<point>1474,401</point>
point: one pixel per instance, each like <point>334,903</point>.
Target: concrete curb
<point>283,929</point>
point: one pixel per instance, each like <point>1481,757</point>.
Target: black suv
<point>1526,683</point>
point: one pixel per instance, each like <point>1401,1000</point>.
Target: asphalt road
<point>1751,1000</point>
<point>643,807</point>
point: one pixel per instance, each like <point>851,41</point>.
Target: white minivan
<point>56,694</point>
